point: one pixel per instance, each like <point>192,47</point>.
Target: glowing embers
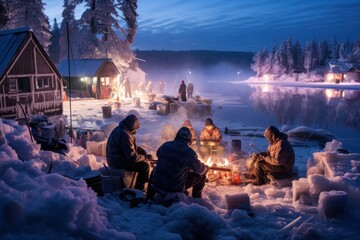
<point>221,173</point>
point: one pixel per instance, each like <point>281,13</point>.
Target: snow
<point>44,194</point>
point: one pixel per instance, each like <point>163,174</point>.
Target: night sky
<point>237,25</point>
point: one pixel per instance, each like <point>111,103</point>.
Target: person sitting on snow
<point>188,124</point>
<point>123,153</point>
<point>210,141</point>
<point>178,168</point>
<point>278,158</point>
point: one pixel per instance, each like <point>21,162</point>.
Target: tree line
<point>106,28</point>
<point>192,59</point>
<point>289,57</point>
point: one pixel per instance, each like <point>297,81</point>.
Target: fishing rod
<point>251,145</point>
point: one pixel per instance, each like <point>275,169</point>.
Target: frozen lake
<point>335,110</point>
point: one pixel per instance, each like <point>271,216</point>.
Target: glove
<point>149,157</point>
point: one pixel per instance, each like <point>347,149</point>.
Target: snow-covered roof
<point>81,67</point>
<point>339,67</point>
<point>11,40</point>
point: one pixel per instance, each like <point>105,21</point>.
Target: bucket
<point>96,184</point>
<point>106,110</point>
<point>137,102</point>
<point>238,201</point>
<point>236,146</point>
<point>117,105</point>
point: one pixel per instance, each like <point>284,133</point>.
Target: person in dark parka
<point>123,153</point>
<point>178,167</point>
<point>278,158</point>
<point>182,91</point>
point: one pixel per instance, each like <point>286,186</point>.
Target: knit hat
<point>187,123</point>
<point>131,122</point>
<point>209,122</point>
<point>184,133</point>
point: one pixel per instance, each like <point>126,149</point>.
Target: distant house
<point>342,72</point>
<point>90,77</point>
<point>28,78</point>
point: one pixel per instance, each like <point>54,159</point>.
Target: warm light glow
<point>330,77</point>
<point>265,88</point>
<point>334,93</point>
<point>266,77</point>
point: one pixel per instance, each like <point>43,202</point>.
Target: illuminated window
<point>43,82</point>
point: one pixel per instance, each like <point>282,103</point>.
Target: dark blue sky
<point>238,25</point>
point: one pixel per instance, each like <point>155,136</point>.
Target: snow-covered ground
<point>39,200</point>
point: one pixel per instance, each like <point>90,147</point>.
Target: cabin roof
<point>82,67</point>
<point>11,40</point>
<point>342,67</point>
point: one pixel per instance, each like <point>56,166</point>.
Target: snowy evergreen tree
<point>284,57</point>
<point>334,50</point>
<point>4,18</point>
<point>345,51</point>
<point>69,28</point>
<point>261,63</point>
<point>272,59</point>
<point>314,54</point>
<point>298,57</point>
<point>308,60</point>
<point>324,53</point>
<point>54,47</point>
<point>30,13</point>
<point>289,57</point>
<point>129,7</point>
<point>355,55</point>
<point>100,31</point>
<point>278,68</point>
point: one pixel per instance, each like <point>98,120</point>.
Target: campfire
<point>222,171</point>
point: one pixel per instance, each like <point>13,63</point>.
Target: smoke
<point>205,79</point>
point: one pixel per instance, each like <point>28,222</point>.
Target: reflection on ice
<point>309,106</point>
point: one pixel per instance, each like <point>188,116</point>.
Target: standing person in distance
<point>182,91</point>
<point>190,90</point>
<point>161,87</point>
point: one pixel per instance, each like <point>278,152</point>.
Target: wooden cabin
<point>93,78</point>
<point>342,72</point>
<point>28,78</point>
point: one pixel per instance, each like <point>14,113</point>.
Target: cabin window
<point>13,87</point>
<point>19,84</point>
<point>43,82</point>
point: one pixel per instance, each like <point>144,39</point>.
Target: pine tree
<point>69,28</point>
<point>101,33</point>
<point>298,57</point>
<point>355,55</point>
<point>345,51</point>
<point>129,7</point>
<point>334,50</point>
<point>324,53</point>
<point>289,57</point>
<point>4,18</point>
<point>30,13</point>
<point>261,63</point>
<point>54,47</point>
